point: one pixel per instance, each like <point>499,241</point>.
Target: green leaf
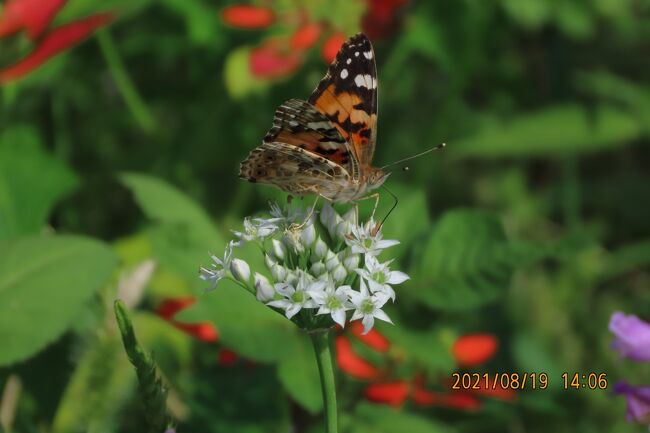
<point>201,21</point>
<point>245,325</point>
<point>627,258</point>
<point>31,181</point>
<point>298,373</point>
<point>468,261</point>
<point>369,418</point>
<point>555,131</point>
<point>44,283</point>
<point>531,14</point>
<point>185,234</point>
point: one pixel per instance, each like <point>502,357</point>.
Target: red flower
<point>204,331</point>
<point>53,43</point>
<point>32,15</point>
<point>353,364</point>
<point>272,60</point>
<point>381,18</point>
<point>459,400</point>
<point>391,393</point>
<point>227,357</point>
<point>474,349</point>
<point>373,339</point>
<point>247,16</point>
<point>306,36</point>
<point>332,46</point>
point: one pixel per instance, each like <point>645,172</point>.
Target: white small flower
<point>330,218</point>
<point>292,240</point>
<point>240,270</point>
<point>264,290</point>
<point>317,269</point>
<point>279,272</point>
<point>364,239</point>
<point>352,262</point>
<point>308,235</point>
<point>331,260</point>
<point>220,267</point>
<point>339,273</point>
<point>285,219</point>
<point>379,276</point>
<point>368,306</point>
<point>256,230</point>
<point>279,251</point>
<point>320,249</point>
<point>296,298</point>
<point>268,260</point>
<point>333,302</point>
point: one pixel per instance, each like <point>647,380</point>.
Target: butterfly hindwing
<point>347,96</point>
<point>294,170</point>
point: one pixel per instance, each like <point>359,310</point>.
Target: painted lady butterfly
<point>324,146</point>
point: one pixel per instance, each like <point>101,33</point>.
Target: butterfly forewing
<point>347,95</point>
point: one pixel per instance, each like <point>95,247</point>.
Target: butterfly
<point>325,145</point>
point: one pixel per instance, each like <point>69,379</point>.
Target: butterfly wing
<point>294,169</point>
<point>347,96</point>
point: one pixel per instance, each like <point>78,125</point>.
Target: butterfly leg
<point>308,218</point>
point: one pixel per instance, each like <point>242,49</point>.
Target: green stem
<point>321,342</point>
<point>125,85</point>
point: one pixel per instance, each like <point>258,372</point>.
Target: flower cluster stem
<point>321,341</point>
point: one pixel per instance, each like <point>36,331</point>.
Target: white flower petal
<point>379,314</point>
<point>383,244</point>
<point>356,315</point>
<point>338,316</point>
<point>368,322</point>
<point>397,277</point>
<point>292,310</point>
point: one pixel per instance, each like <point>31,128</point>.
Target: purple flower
<point>632,336</point>
<point>638,401</point>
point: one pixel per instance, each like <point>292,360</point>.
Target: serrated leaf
<point>25,198</point>
<point>468,261</point>
<point>298,373</point>
<point>44,282</point>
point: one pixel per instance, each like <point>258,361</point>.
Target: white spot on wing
<point>356,54</point>
<point>349,61</point>
<point>368,55</point>
<point>365,81</point>
<point>344,74</point>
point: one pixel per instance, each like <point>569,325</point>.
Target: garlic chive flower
<point>220,267</point>
<point>367,240</point>
<point>380,277</point>
<point>368,306</point>
<point>318,271</point>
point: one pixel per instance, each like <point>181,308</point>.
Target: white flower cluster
<point>315,264</point>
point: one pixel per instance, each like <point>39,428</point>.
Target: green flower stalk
<point>152,392</point>
<point>319,267</point>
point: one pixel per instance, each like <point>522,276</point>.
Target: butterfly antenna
<point>438,147</point>
<point>396,200</point>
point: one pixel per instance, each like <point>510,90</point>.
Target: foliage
<point>531,226</point>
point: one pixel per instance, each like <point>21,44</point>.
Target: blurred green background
<point>118,174</point>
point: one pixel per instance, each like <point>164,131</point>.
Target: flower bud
<point>317,269</point>
<point>339,274</point>
<point>278,272</point>
<point>342,229</point>
<point>264,289</point>
<point>293,277</point>
<point>292,240</point>
<point>268,260</point>
<point>240,270</point>
<point>331,261</point>
<point>279,251</point>
<point>352,262</point>
<point>320,249</point>
<point>308,235</point>
<point>329,218</point>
